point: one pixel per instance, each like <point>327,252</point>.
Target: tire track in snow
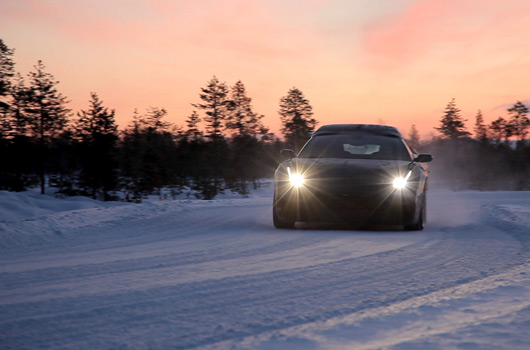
<point>128,308</point>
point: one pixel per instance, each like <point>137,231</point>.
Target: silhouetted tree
<point>500,129</point>
<point>97,131</point>
<point>192,124</point>
<point>152,121</point>
<point>19,154</point>
<point>480,128</point>
<point>452,124</point>
<point>148,155</point>
<point>296,116</point>
<point>18,112</point>
<point>241,117</point>
<point>414,137</point>
<point>48,114</point>
<point>7,69</point>
<point>215,104</point>
<point>519,121</point>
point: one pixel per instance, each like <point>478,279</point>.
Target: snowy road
<point>217,275</point>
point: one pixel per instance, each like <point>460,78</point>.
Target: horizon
<point>396,63</point>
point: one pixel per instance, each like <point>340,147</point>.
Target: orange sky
<point>357,61</point>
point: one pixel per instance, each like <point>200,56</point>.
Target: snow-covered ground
<point>81,274</point>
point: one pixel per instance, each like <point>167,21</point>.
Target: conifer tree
<point>414,137</point>
<point>95,121</point>
<point>500,129</point>
<point>48,114</point>
<point>216,104</point>
<point>241,117</point>
<point>152,122</point>
<point>296,117</point>
<point>20,98</point>
<point>480,128</point>
<point>192,124</point>
<point>452,124</point>
<point>7,69</point>
<point>96,129</point>
<point>519,121</point>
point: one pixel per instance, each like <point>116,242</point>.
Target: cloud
<point>454,28</point>
<point>246,27</point>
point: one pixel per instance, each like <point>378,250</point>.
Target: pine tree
<point>500,129</point>
<point>414,137</point>
<point>97,120</point>
<point>96,129</point>
<point>148,154</point>
<point>7,69</point>
<point>480,128</point>
<point>192,125</point>
<point>452,124</point>
<point>48,114</point>
<point>296,117</point>
<point>216,104</point>
<point>519,121</point>
<point>19,104</point>
<point>241,117</point>
<point>152,122</point>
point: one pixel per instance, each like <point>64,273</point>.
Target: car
<point>361,174</point>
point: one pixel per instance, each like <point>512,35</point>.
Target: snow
<point>189,274</point>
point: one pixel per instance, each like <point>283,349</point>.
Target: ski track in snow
<point>216,275</point>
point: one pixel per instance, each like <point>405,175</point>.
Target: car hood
<point>358,170</point>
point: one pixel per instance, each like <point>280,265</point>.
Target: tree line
<point>223,145</point>
<point>496,158</point>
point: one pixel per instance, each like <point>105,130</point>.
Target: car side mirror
<point>287,154</point>
<point>423,158</point>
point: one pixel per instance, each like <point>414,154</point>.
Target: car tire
<point>418,225</point>
<point>277,219</point>
<point>280,222</point>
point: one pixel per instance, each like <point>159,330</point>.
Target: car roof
<point>356,128</point>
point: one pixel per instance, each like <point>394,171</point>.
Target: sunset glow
<point>397,62</point>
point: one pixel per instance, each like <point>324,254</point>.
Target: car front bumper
<point>359,204</point>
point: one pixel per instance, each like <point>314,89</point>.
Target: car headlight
<point>296,180</point>
<point>400,183</point>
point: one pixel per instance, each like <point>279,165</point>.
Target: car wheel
<point>278,221</point>
<point>418,225</point>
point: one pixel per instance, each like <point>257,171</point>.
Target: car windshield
<point>355,146</point>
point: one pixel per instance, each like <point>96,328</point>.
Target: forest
<point>223,146</point>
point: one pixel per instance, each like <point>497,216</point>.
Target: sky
<point>397,62</point>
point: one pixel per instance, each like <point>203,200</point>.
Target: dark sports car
<point>355,173</point>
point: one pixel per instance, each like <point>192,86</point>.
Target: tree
<point>519,121</point>
<point>48,114</point>
<point>241,117</point>
<point>480,128</point>
<point>7,68</point>
<point>500,129</point>
<point>97,120</point>
<point>296,117</point>
<point>452,124</point>
<point>96,129</point>
<point>414,137</point>
<point>192,123</point>
<point>19,104</point>
<point>152,122</point>
<point>148,155</point>
<point>215,103</point>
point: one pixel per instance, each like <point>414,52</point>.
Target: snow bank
<point>15,206</point>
